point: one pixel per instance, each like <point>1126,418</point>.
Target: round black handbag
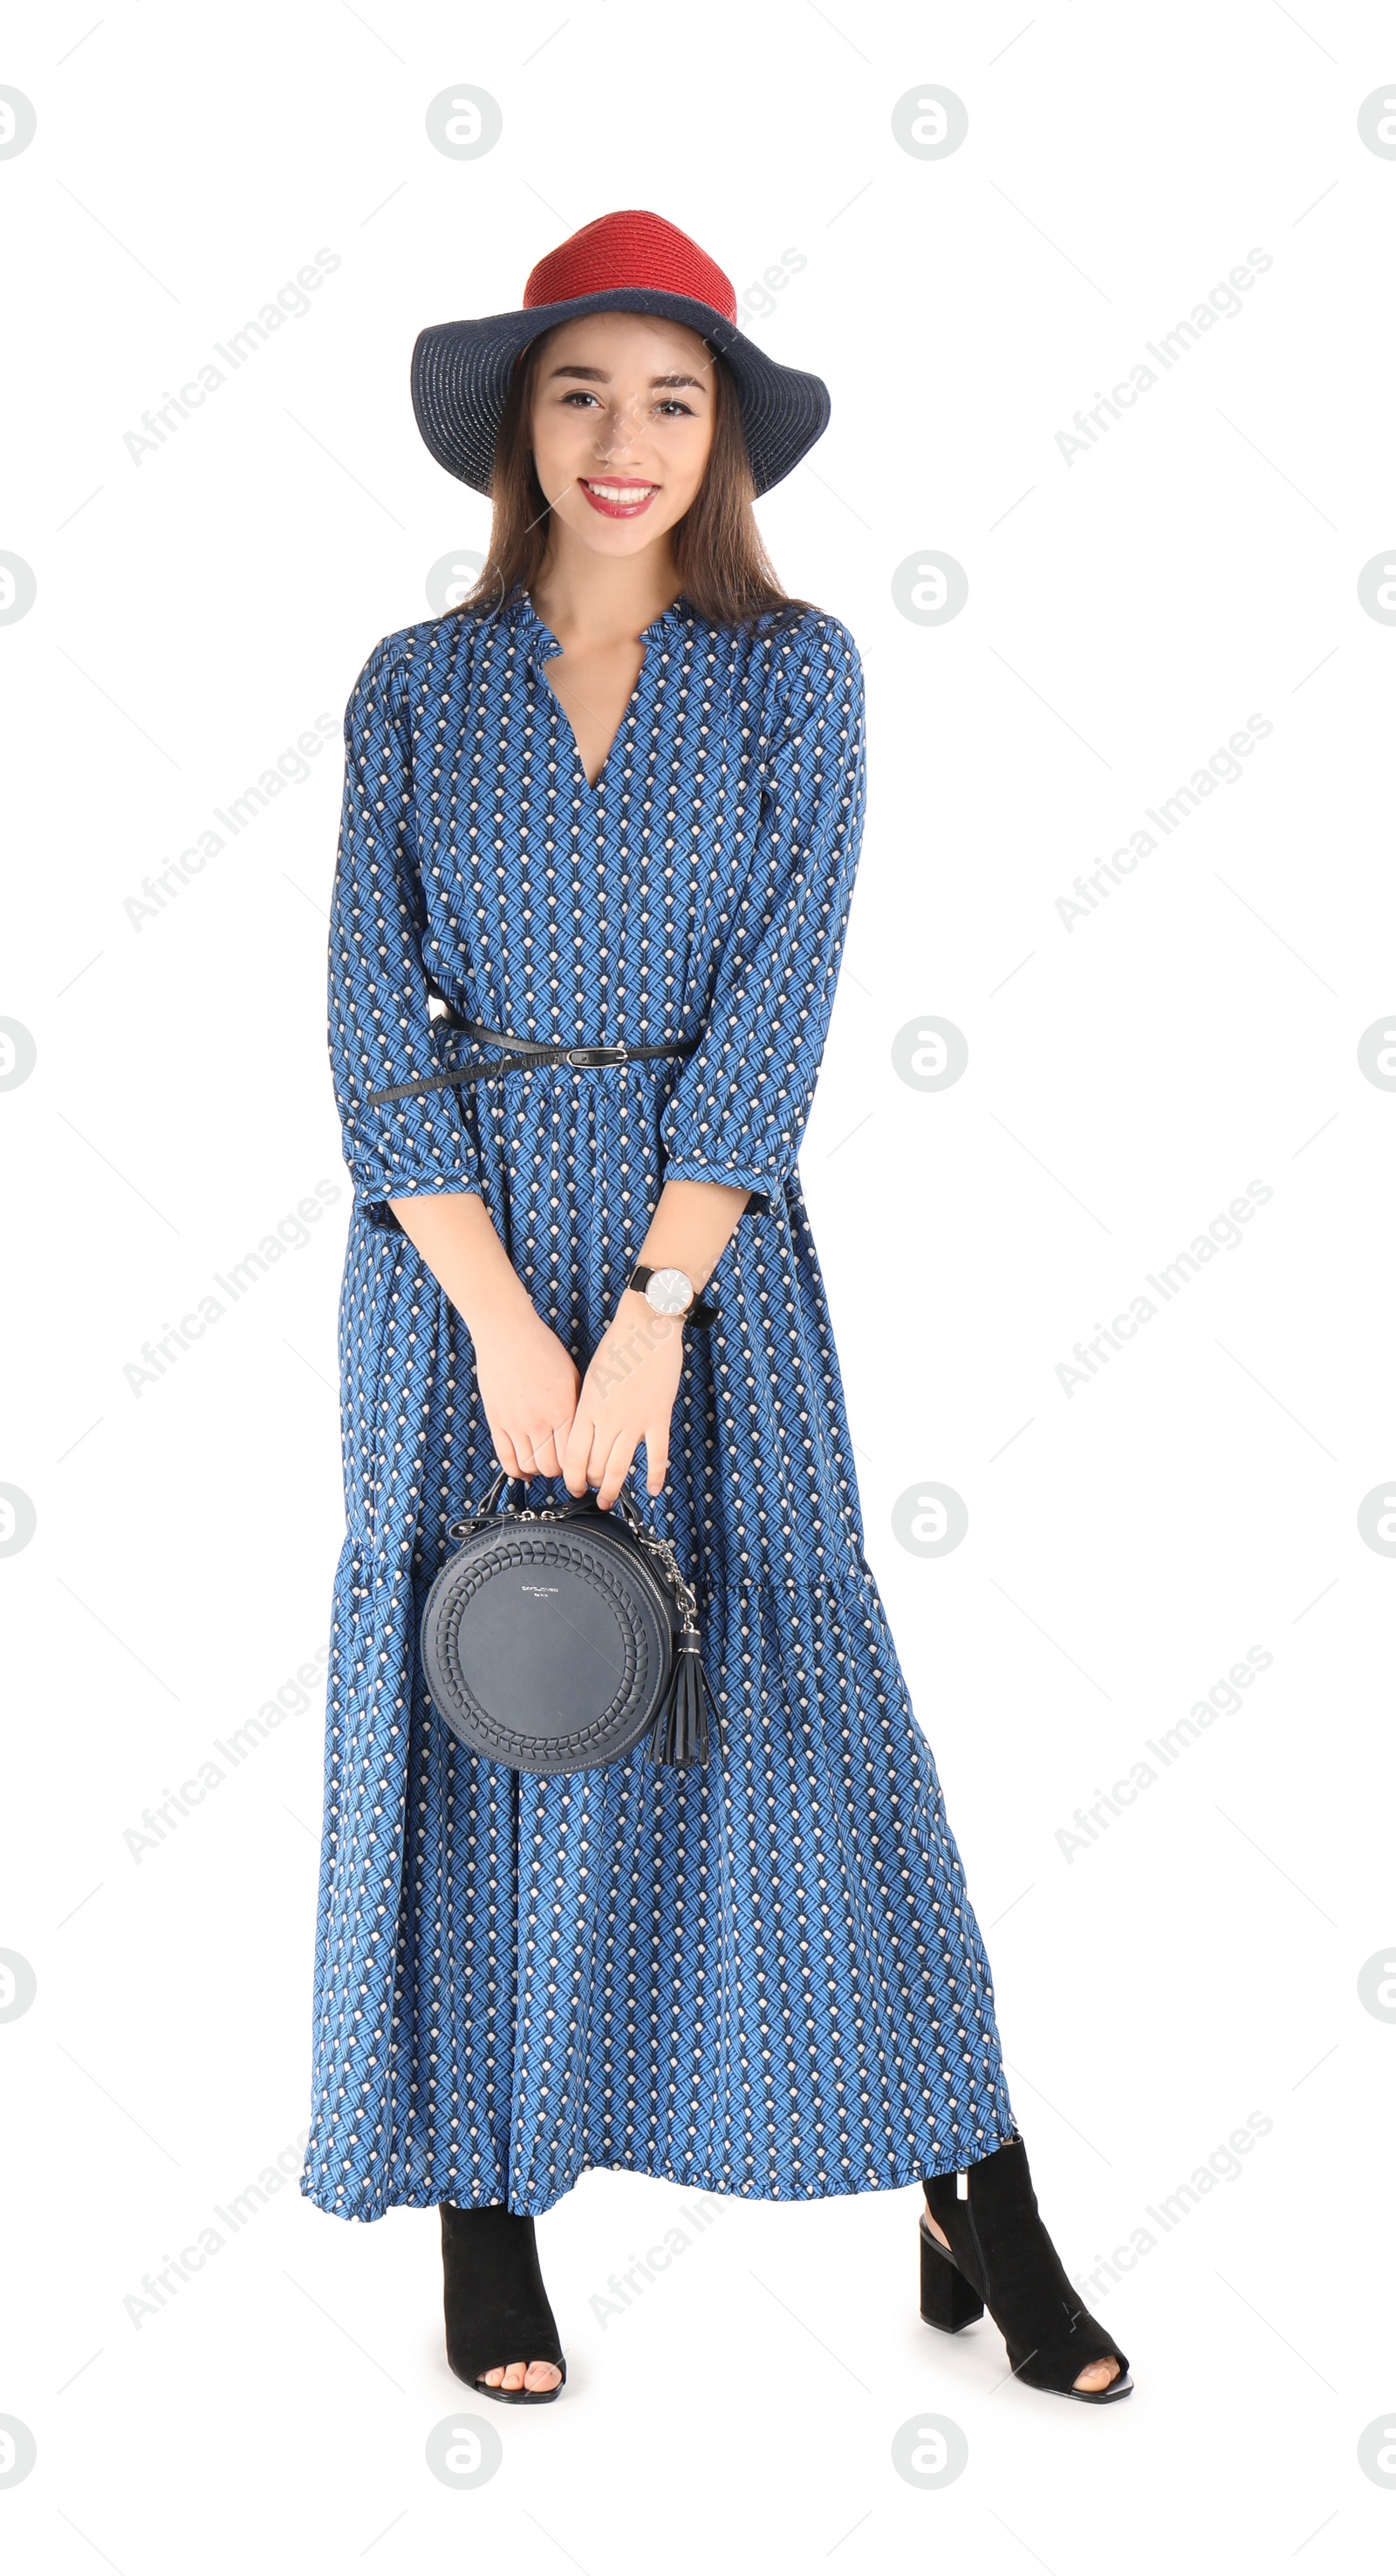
<point>554,1640</point>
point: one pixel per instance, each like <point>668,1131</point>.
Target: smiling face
<point>622,426</point>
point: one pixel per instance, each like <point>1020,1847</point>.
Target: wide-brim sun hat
<point>632,262</point>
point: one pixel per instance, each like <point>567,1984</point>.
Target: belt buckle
<point>582,1056</point>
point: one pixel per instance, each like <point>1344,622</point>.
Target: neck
<point>589,598</point>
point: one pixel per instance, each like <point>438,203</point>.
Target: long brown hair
<point>722,563</point>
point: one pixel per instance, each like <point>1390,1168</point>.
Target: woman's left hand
<point>627,1396</point>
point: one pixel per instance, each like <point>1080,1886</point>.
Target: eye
<point>579,395</point>
<point>672,404</point>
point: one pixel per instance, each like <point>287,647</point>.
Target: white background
<point>196,611</point>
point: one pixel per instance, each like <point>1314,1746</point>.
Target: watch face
<point>670,1291</point>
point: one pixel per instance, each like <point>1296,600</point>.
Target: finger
<point>560,1431</point>
<point>577,1453</point>
<point>505,1451</point>
<point>546,1454</point>
<point>567,1414</point>
<point>656,1460</point>
<point>601,1444</point>
<point>616,1468</point>
<point>539,1451</point>
<point>552,1446</point>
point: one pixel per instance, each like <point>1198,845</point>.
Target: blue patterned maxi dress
<point>763,1977</point>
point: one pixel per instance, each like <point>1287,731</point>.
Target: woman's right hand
<point>527,1382</point>
<point>528,1385</point>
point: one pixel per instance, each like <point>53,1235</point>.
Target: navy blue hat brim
<point>461,373</point>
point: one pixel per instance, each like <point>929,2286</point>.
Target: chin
<point>617,536</point>
<point>622,540</point>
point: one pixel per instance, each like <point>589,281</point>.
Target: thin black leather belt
<point>522,1054</point>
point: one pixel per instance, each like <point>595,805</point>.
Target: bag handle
<point>504,1480</point>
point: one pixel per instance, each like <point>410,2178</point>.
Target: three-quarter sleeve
<point>739,1109</point>
<point>379,1023</point>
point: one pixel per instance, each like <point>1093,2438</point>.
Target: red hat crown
<point>630,249</point>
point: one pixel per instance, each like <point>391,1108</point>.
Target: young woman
<point>614,803</point>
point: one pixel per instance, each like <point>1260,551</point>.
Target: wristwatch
<point>671,1292</point>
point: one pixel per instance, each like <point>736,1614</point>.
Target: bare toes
<point>543,2374</point>
<point>493,2378</point>
<point>1096,2375</point>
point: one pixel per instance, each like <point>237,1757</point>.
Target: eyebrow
<point>598,376</point>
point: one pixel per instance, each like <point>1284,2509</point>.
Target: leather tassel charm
<point>680,1735</point>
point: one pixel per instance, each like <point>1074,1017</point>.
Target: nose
<point>616,432</point>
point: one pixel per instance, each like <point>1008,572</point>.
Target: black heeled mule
<point>497,2309</point>
<point>1002,2258</point>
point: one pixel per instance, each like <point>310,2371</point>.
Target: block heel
<point>1002,2258</point>
<point>948,2300</point>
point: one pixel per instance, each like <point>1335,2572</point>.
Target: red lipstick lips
<point>602,495</point>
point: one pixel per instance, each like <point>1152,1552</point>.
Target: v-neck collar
<point>540,645</point>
